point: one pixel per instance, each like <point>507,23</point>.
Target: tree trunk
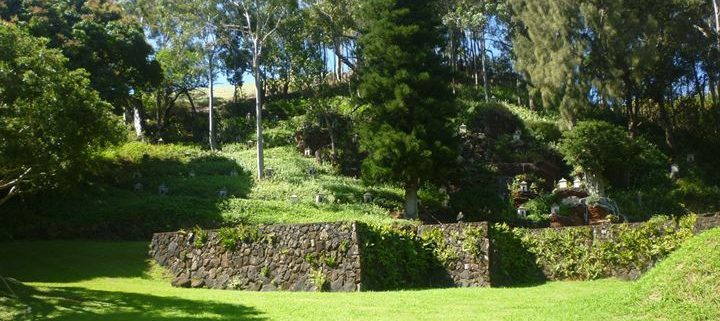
<point>258,114</point>
<point>474,52</point>
<point>630,110</point>
<point>713,96</point>
<point>235,93</point>
<point>11,185</point>
<point>453,64</point>
<point>158,108</point>
<point>193,113</point>
<point>700,89</point>
<point>10,194</point>
<point>331,131</point>
<point>138,120</point>
<point>411,201</point>
<point>211,133</point>
<point>482,61</point>
<point>716,10</point>
<point>667,127</point>
<point>337,64</point>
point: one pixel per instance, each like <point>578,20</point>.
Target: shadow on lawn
<point>78,304</point>
<point>71,261</point>
<point>127,200</point>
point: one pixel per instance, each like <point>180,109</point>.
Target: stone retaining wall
<point>284,257</point>
<point>311,257</point>
<point>334,256</point>
<point>470,245</point>
<point>707,221</point>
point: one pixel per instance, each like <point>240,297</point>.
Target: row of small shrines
<point>320,197</point>
<point>579,185</point>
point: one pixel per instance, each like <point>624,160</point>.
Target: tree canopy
<point>52,120</point>
<point>407,130</point>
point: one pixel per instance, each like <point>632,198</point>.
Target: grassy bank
<point>122,200</point>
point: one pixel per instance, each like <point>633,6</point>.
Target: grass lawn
<point>87,280</point>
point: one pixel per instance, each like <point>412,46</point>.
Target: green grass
<point>109,208</point>
<point>687,284</point>
<point>83,280</point>
<point>90,280</point>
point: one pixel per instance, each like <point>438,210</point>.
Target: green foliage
<point>575,253</point>
<point>545,132</point>
<point>201,237</point>
<point>406,131</point>
<point>478,199</point>
<point>398,259</point>
<point>100,38</point>
<point>694,195</point>
<point>330,261</point>
<point>319,279</point>
<point>512,263</point>
<point>344,246</point>
<point>685,285</point>
<point>433,238</point>
<point>473,239</point>
<point>312,260</point>
<point>231,237</point>
<point>540,207</point>
<point>494,119</point>
<point>52,122</point>
<point>606,150</point>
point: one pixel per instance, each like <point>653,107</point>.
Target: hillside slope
<point>685,286</point>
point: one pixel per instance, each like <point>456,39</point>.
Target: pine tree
<point>407,132</point>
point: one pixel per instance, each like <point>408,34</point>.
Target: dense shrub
<point>606,151</point>
<point>493,119</point>
<point>543,131</point>
<point>575,253</point>
<point>539,208</point>
<point>477,197</point>
<point>398,258</point>
<point>511,262</point>
<point>51,120</point>
<point>235,129</point>
<point>286,108</point>
<point>695,196</point>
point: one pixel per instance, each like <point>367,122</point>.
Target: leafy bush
<point>545,132</point>
<point>285,109</point>
<point>201,237</point>
<point>235,129</point>
<point>540,207</point>
<point>397,258</point>
<point>477,198</point>
<point>511,262</point>
<point>493,119</point>
<point>319,279</point>
<point>52,120</point>
<point>230,237</point>
<point>433,239</point>
<point>575,253</point>
<point>606,151</point>
<point>695,196</point>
